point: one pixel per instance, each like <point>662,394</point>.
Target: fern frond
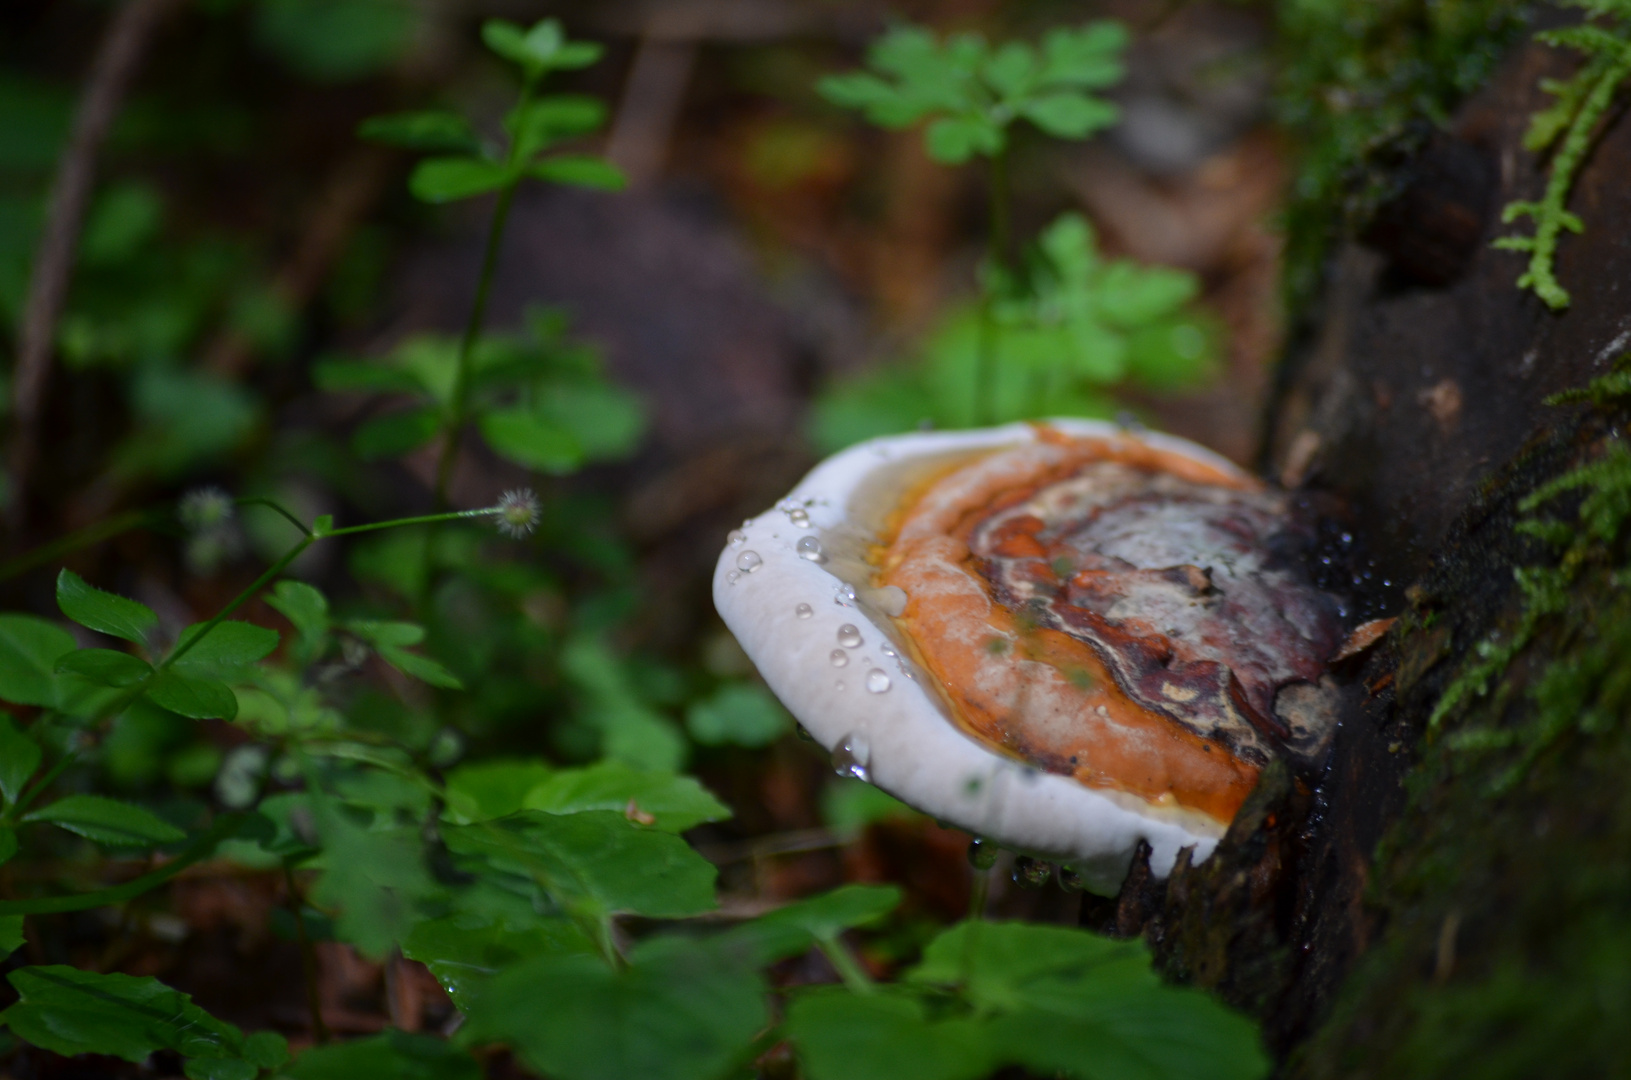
<point>1581,103</point>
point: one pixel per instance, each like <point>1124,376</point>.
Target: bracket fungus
<point>1062,637</point>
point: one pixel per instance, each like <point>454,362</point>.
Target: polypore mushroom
<point>1066,638</point>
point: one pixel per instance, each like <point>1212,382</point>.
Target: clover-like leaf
<point>579,170</point>
<point>1069,115</point>
<point>449,179</point>
<point>435,130</point>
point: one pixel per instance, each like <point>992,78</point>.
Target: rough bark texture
<point>1420,907</point>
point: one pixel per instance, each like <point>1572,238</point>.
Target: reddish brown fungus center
<point>1119,613</point>
<point>1184,590</point>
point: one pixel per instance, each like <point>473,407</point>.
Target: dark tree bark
<point>1422,907</point>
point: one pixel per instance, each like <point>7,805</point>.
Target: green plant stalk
<point>459,403</point>
<point>979,891</point>
<point>1000,242</point>
<point>74,541</point>
<point>308,958</point>
<point>849,969</point>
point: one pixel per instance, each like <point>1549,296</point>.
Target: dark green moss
<point>1503,893</point>
<point>1363,84</point>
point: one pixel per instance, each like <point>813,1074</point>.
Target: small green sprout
<point>974,92</point>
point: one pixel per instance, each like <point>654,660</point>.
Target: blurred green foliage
<point>1062,334</point>
<point>457,758</point>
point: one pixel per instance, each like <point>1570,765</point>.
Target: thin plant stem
<point>849,969</point>
<point>277,508</point>
<point>979,892</point>
<point>74,541</point>
<point>985,360</point>
<point>225,826</point>
<point>459,403</point>
<point>308,958</point>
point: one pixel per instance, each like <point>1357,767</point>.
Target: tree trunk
<point>1450,897</point>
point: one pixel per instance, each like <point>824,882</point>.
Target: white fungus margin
<point>787,604</point>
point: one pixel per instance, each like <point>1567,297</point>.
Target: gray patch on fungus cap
<point>915,749</point>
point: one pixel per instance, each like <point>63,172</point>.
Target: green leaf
<point>29,650</point>
<point>848,806</point>
<point>595,857</point>
<point>198,699</point>
<point>1131,295</point>
<point>19,757</point>
<point>435,130</point>
<point>955,139</point>
<point>1011,70</point>
<point>11,934</point>
<point>1088,57</point>
<point>790,930</point>
<point>884,1036</point>
<point>676,802</point>
<point>577,54</point>
<point>381,633</point>
<point>376,879</point>
<point>103,611</point>
<point>463,957</point>
<point>106,667</point>
<point>482,790</point>
<point>549,119</point>
<point>579,170</point>
<point>8,843</point>
<point>338,376</point>
<point>68,1011</point>
<point>398,1055</point>
<point>1007,966</point>
<point>677,1011</point>
<point>1069,116</point>
<point>448,179</point>
<point>331,40</point>
<point>533,49</point>
<point>522,436</point>
<point>228,649</point>
<point>307,609</point>
<point>108,821</point>
<point>607,421</point>
<point>397,433</point>
<point>420,667</point>
<point>740,714</point>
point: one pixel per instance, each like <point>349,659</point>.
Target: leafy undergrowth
<point>411,752</point>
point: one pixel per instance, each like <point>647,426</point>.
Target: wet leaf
<point>790,930</point>
<point>884,1036</point>
<point>678,1011</point>
<point>675,803</point>
<point>597,860</point>
<point>463,957</point>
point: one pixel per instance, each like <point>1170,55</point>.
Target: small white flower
<point>205,508</point>
<point>517,512</point>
